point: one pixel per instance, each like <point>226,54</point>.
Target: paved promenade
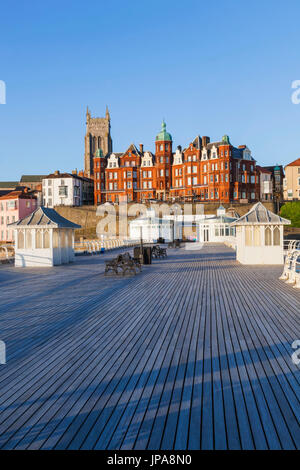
<point>195,352</point>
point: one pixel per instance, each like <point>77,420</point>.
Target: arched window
<point>55,239</point>
<point>46,239</point>
<point>39,239</point>
<point>276,236</point>
<point>28,240</point>
<point>256,234</point>
<point>21,239</point>
<point>268,236</point>
<point>248,236</point>
<point>70,240</point>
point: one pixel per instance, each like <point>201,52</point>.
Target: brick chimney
<point>205,140</point>
<point>142,148</point>
<point>57,172</point>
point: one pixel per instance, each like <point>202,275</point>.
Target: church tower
<point>97,137</point>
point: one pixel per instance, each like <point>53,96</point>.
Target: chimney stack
<point>57,172</point>
<point>141,148</point>
<point>205,140</point>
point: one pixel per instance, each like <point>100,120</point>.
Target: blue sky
<point>208,68</point>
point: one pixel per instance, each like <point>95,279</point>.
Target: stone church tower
<point>97,137</point>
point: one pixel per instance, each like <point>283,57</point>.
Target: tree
<point>291,211</point>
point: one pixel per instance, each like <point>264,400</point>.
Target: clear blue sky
<point>208,68</point>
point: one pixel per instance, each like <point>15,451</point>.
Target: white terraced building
<point>66,189</point>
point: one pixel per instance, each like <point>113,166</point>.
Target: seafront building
<point>204,170</point>
<point>13,206</point>
<point>67,189</point>
<point>292,181</point>
<point>193,227</point>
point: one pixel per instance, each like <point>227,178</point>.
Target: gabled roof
<point>259,214</point>
<point>263,170</point>
<point>32,178</point>
<point>45,217</point>
<point>197,142</point>
<point>18,194</point>
<point>294,163</point>
<point>132,148</point>
<point>9,184</point>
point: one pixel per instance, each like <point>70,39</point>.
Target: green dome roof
<point>225,139</point>
<point>163,135</point>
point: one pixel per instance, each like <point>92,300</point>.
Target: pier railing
<point>97,246</point>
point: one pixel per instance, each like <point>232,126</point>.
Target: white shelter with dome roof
<point>44,238</point>
<point>259,236</point>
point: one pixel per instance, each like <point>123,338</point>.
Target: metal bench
<point>158,252</point>
<point>174,244</point>
<point>123,263</point>
<point>291,270</point>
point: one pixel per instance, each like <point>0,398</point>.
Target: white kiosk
<point>259,236</point>
<point>44,238</point>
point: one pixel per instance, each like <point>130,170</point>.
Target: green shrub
<point>291,211</point>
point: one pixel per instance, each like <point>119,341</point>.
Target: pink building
<point>14,206</point>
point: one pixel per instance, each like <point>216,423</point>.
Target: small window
<point>248,236</point>
<point>268,236</point>
<point>20,239</point>
<point>28,240</point>
<point>276,236</point>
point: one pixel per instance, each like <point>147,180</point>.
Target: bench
<point>158,252</point>
<point>291,270</point>
<point>123,263</point>
<point>174,244</point>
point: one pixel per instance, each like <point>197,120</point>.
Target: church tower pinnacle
<point>97,137</point>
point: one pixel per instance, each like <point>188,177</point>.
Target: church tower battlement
<point>97,137</point>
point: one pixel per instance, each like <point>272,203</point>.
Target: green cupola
<point>225,139</point>
<point>163,135</point>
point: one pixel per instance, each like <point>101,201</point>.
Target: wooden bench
<point>123,263</point>
<point>158,252</point>
<point>174,244</point>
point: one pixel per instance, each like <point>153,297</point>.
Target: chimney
<point>74,172</point>
<point>141,148</point>
<point>205,140</point>
<point>57,172</point>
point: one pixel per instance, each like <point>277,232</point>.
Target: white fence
<point>97,246</point>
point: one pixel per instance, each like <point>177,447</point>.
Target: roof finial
<point>107,115</point>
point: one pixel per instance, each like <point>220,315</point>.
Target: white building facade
<point>66,189</point>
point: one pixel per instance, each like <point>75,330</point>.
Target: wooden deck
<point>193,353</point>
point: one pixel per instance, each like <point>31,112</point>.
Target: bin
<point>146,257</point>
